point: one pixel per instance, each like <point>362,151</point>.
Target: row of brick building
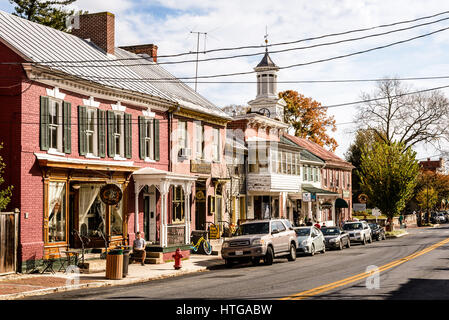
<point>101,142</point>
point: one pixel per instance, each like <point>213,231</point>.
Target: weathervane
<point>266,38</point>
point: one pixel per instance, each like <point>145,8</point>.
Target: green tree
<point>427,198</point>
<point>363,138</point>
<point>5,194</point>
<point>388,176</point>
<point>49,13</point>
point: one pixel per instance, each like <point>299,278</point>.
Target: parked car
<point>377,232</point>
<point>440,217</point>
<point>310,240</point>
<point>267,239</point>
<point>359,231</point>
<point>336,238</point>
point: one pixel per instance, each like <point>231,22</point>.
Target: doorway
<point>200,205</point>
<point>149,214</point>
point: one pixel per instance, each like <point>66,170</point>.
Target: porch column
<point>333,214</point>
<point>318,211</point>
<point>187,191</point>
<point>309,209</point>
<point>164,188</point>
<point>136,206</point>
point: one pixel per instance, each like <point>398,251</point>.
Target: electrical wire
<point>268,45</point>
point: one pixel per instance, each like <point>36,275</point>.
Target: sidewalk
<point>18,286</point>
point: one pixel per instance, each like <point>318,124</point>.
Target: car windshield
<point>373,226</point>
<point>353,226</point>
<point>330,231</point>
<point>252,228</point>
<point>302,232</point>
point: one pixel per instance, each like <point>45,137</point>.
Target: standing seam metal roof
<point>43,44</point>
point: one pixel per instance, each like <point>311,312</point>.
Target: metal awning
<point>341,203</point>
<point>318,191</point>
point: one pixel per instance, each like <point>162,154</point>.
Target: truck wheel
<point>341,246</point>
<point>269,256</point>
<point>364,240</point>
<point>292,255</point>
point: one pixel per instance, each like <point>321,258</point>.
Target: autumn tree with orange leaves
<point>309,119</point>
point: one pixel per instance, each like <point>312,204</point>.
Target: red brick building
<point>79,114</point>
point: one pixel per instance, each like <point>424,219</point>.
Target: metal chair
<point>49,261</point>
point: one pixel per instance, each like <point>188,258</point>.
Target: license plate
<point>239,253</point>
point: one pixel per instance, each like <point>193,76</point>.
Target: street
<point>423,274</point>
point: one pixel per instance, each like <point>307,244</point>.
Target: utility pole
<point>197,52</point>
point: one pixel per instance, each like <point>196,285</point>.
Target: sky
<point>233,23</point>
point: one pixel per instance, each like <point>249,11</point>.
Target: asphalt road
<point>423,274</point>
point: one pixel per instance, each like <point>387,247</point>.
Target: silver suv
<point>259,239</point>
<point>359,231</point>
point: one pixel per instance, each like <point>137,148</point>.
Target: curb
<point>15,296</point>
<point>398,236</point>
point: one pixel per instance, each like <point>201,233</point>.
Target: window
<point>178,205</point>
<point>148,138</point>
<point>149,146</point>
<point>337,179</point>
<point>91,132</point>
<point>199,138</point>
<point>305,173</point>
<point>55,125</point>
<point>325,177</point>
<point>118,146</point>
<point>216,145</point>
<point>289,162</point>
<point>182,134</point>
<point>56,212</point>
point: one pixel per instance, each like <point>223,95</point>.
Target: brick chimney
<point>99,28</point>
<point>149,49</point>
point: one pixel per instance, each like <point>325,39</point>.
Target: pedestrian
<point>324,225</point>
<point>139,248</point>
<point>317,225</point>
<point>309,223</point>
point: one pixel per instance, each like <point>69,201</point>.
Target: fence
<point>9,225</point>
<point>175,234</point>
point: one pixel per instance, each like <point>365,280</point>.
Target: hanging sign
<point>110,194</point>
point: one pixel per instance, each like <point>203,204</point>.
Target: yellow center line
<point>360,276</point>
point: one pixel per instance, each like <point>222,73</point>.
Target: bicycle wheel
<point>207,248</point>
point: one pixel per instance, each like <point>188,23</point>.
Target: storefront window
<point>57,212</point>
<point>117,219</point>
<point>92,211</point>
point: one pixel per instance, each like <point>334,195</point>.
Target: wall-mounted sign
<point>200,167</point>
<point>110,194</point>
<point>346,194</point>
<point>308,197</point>
<point>376,212</point>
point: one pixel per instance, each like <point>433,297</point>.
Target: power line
<point>285,67</point>
<point>270,45</point>
<point>249,54</point>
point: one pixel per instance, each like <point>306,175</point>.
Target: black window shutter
<point>156,139</point>
<point>82,126</point>
<point>142,149</point>
<point>111,124</point>
<point>101,133</point>
<point>67,120</point>
<point>128,136</point>
<point>44,128</point>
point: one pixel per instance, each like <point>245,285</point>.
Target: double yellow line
<point>360,276</point>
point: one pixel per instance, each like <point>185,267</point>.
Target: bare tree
<point>235,110</point>
<point>395,113</point>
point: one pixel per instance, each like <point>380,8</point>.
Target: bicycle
<point>203,245</point>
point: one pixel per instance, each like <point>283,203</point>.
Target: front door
<point>149,215</point>
<point>200,209</point>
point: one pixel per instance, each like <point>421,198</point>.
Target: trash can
<point>114,264</point>
<point>125,262</point>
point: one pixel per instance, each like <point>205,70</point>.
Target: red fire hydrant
<point>178,256</point>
